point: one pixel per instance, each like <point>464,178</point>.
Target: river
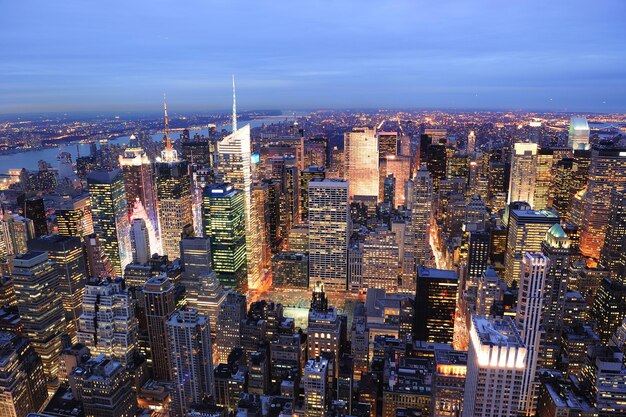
<point>29,158</point>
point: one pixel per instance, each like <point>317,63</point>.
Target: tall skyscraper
<point>523,173</point>
<point>191,361</point>
<point>158,293</point>
<point>108,324</point>
<point>399,166</point>
<point>329,232</point>
<point>606,174</point>
<point>104,388</point>
<point>74,216</point>
<point>224,224</point>
<point>195,256</point>
<point>234,152</point>
<point>23,382</point>
<point>140,242</point>
<point>417,249</point>
<point>315,380</point>
<point>305,178</point>
<point>471,142</point>
<point>557,248</point>
<point>361,162</point>
<point>110,216</point>
<point>324,331</point>
<point>534,269</point>
<point>380,260</point>
<point>527,229</point>
<point>33,208</point>
<point>228,331</point>
<point>67,254</point>
<point>36,283</point>
<point>139,182</point>
<point>387,143</point>
<point>495,366</point>
<point>612,255</point>
<point>578,137</point>
<point>435,305</point>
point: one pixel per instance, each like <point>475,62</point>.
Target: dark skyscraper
<point>435,304</point>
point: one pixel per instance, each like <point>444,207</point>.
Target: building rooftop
<point>433,273</point>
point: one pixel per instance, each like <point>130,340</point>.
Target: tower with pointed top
<point>173,195</point>
<point>235,167</point>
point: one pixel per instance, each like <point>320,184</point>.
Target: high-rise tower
<point>158,293</point>
<point>578,137</point>
<point>523,173</point>
<point>361,162</point>
<point>110,216</point>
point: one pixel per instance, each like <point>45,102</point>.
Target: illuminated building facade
<point>314,381</point>
<point>387,143</point>
<point>534,270</point>
<point>607,173</point>
<point>495,366</point>
<point>435,305</point>
<point>399,167</point>
<point>191,361</point>
<point>228,327</point>
<point>160,303</point>
<point>108,324</point>
<point>578,135</point>
<point>36,282</point>
<point>380,261</point>
<point>527,229</point>
<point>361,162</point>
<point>329,231</point>
<point>305,177</point>
<point>73,218</point>
<point>523,173</point>
<point>224,224</point>
<point>67,254</point>
<point>612,255</point>
<point>110,216</point>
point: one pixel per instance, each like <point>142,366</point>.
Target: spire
<point>234,107</point>
<point>168,142</point>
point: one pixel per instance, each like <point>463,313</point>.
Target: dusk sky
<point>77,55</point>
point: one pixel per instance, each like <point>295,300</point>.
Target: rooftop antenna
<point>234,107</point>
<point>168,143</point>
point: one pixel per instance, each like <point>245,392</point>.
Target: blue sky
<point>114,55</point>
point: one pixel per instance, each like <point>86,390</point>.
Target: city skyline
<point>453,55</point>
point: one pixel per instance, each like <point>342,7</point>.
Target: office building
<point>104,388</point>
<point>496,363</point>
<point>528,317</point>
<point>399,167</point>
<point>611,255</point>
<point>526,230</point>
<point>523,173</point>
<point>290,269</point>
<point>435,305</point>
<point>228,326</point>
<point>22,379</point>
<point>67,254</point>
<point>139,182</point>
<point>224,224</point>
<point>361,162</point>
<point>449,382</point>
<point>324,331</point>
<point>33,208</point>
<point>108,324</point>
<point>73,217</point>
<point>607,173</point>
<point>609,308</point>
<point>110,216</point>
<point>140,242</point>
<point>314,381</point>
<point>39,303</point>
<point>380,261</point>
<point>578,135</point>
<point>305,177</point>
<point>329,232</point>
<point>195,256</point>
<point>489,291</point>
<point>191,363</point>
<point>159,303</point>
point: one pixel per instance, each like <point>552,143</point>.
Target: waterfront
<point>29,158</point>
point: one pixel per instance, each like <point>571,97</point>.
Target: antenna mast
<point>168,142</point>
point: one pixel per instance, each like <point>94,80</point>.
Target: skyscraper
<point>315,380</point>
<point>606,174</point>
<point>495,366</point>
<point>361,162</point>
<point>104,388</point>
<point>67,254</point>
<point>23,382</point>
<point>578,137</point>
<point>305,178</point>
<point>324,331</point>
<point>74,216</point>
<point>234,152</point>
<point>110,216</point>
<point>380,260</point>
<point>139,182</point>
<point>191,361</point>
<point>523,173</point>
<point>108,324</point>
<point>329,232</point>
<point>39,304</point>
<point>612,255</point>
<point>471,142</point>
<point>140,242</point>
<point>195,256</point>
<point>526,230</point>
<point>435,305</point>
<point>534,269</point>
<point>158,293</point>
<point>228,331</point>
<point>224,224</point>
